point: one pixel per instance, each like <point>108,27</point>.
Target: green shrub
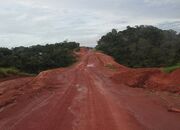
<point>35,59</point>
<point>8,71</point>
<point>142,46</point>
<point>171,68</point>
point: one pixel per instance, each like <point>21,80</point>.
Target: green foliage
<point>142,46</point>
<point>8,71</point>
<point>38,58</point>
<point>5,72</point>
<point>171,68</point>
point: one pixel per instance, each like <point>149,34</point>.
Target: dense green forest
<point>37,58</point>
<point>142,46</point>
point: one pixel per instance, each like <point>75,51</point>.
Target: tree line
<point>37,58</point>
<point>142,46</point>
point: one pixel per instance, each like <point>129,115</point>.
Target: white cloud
<point>27,22</point>
<point>162,2</point>
<point>175,25</point>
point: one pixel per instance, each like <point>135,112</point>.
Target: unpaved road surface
<point>83,97</point>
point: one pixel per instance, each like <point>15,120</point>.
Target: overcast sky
<point>30,22</point>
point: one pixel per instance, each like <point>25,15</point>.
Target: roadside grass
<point>171,68</point>
<point>5,72</point>
<point>111,67</point>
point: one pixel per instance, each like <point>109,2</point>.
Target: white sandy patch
<point>90,65</point>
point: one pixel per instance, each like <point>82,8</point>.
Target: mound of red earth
<point>150,78</point>
<point>11,89</point>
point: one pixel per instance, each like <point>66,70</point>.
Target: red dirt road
<point>83,97</point>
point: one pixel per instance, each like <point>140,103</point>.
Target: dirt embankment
<point>14,88</point>
<point>151,78</point>
<point>11,89</point>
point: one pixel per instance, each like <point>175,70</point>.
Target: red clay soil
<point>151,78</point>
<point>2,79</point>
<point>11,89</point>
<point>84,97</point>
